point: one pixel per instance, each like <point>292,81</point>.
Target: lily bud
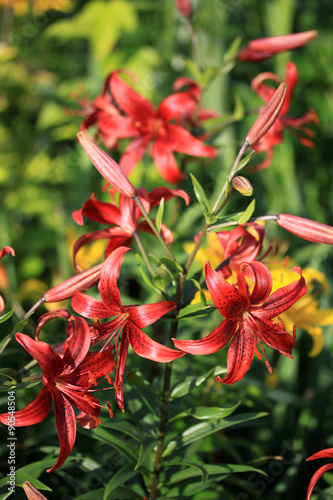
<point>106,166</point>
<point>185,7</point>
<point>80,282</point>
<point>242,185</point>
<point>31,492</point>
<point>267,116</point>
<point>307,229</point>
<point>262,48</point>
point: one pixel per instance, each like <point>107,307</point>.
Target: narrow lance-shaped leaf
<point>247,213</point>
<point>200,194</point>
<point>159,215</point>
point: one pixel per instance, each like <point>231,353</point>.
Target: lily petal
<point>98,211</point>
<point>77,345</point>
<point>34,413</point>
<point>263,282</point>
<point>217,339</point>
<point>283,298</point>
<point>240,355</point>
<point>145,347</point>
<point>109,275</point>
<point>182,141</point>
<point>132,103</point>
<point>66,427</point>
<point>50,363</point>
<point>166,163</point>
<point>226,297</point>
<point>145,315</point>
<point>91,308</point>
<point>315,478</point>
<point>122,356</point>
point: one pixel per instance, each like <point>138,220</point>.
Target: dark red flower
<point>262,48</point>
<point>328,453</point>
<point>126,218</point>
<point>130,319</point>
<point>247,322</point>
<point>274,135</point>
<point>67,380</point>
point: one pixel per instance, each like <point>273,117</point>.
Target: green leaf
<point>195,311</point>
<point>244,161</point>
<point>238,111</point>
<point>194,69</point>
<point>200,194</point>
<point>21,477</point>
<point>125,428</point>
<point>213,470</point>
<point>191,463</point>
<point>101,434</point>
<point>172,264</point>
<point>202,295</point>
<point>210,217</point>
<point>7,315</point>
<point>247,213</point>
<point>190,383</point>
<point>159,215</point>
<point>146,449</point>
<point>145,277</point>
<point>119,478</point>
<point>204,413</point>
<point>200,431</point>
<point>159,282</point>
<point>233,49</point>
<point>208,76</point>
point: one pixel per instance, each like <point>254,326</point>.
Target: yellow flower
<point>305,313</point>
<point>21,7</point>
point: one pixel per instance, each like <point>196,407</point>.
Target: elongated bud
<point>267,116</point>
<point>262,48</point>
<point>106,166</point>
<point>6,250</point>
<point>275,44</point>
<point>80,282</point>
<point>307,229</point>
<point>242,185</point>
<point>31,492</point>
<point>185,7</point>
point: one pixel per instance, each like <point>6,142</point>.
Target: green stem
<point>235,223</point>
<point>143,253</point>
<point>153,227</point>
<point>230,176</point>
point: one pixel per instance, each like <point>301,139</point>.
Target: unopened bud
<point>307,229</point>
<point>106,166</point>
<point>242,185</point>
<point>81,282</point>
<point>185,7</point>
<point>267,116</point>
<point>31,492</point>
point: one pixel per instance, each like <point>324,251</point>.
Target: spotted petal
<point>91,308</point>
<point>240,355</point>
<point>145,347</point>
<point>32,414</point>
<point>66,427</point>
<point>50,363</point>
<point>217,339</point>
<point>145,315</point>
<point>108,283</point>
<point>226,297</point>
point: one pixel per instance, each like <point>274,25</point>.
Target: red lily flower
<point>262,48</point>
<point>185,7</point>
<point>125,218</point>
<point>68,381</point>
<point>4,251</point>
<point>129,318</point>
<point>274,135</point>
<point>145,125</point>
<point>328,453</point>
<point>246,322</point>
<point>306,228</point>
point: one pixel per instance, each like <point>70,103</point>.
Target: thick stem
<point>212,229</point>
<point>153,227</point>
